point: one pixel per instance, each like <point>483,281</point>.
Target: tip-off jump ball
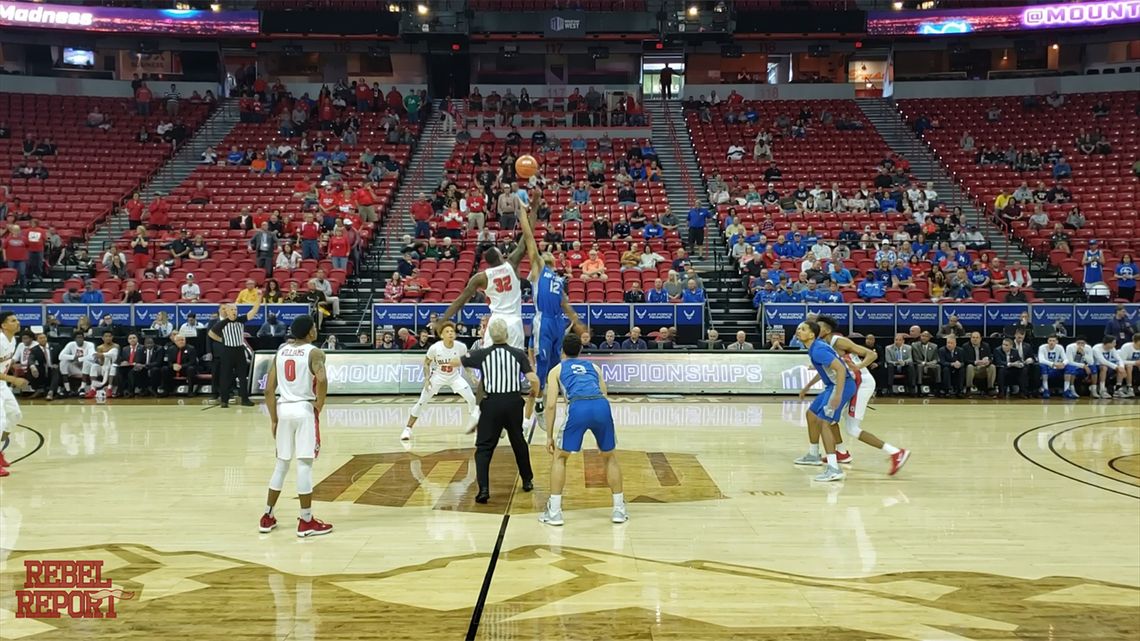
<point>526,166</point>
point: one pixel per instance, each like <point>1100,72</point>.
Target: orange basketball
<point>526,166</point>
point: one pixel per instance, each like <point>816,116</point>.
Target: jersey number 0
<point>290,370</point>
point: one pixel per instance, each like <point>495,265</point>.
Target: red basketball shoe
<point>4,472</point>
<point>844,457</point>
<point>268,522</point>
<point>3,461</point>
<point>313,527</point>
<point>899,459</point>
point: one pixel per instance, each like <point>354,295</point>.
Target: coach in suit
<point>953,362</point>
<point>43,369</point>
<point>899,360</point>
<point>1010,369</point>
<point>181,360</point>
<point>926,364</point>
<point>139,367</point>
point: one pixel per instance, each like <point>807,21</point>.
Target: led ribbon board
<point>1037,17</point>
<point>26,15</point>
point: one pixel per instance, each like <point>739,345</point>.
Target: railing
<point>142,314</point>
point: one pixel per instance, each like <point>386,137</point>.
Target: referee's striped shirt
<point>231,331</point>
<point>502,367</point>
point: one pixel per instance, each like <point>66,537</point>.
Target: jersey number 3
<point>502,284</point>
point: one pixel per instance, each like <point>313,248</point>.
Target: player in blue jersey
<point>580,381</point>
<point>839,388</point>
<point>550,303</point>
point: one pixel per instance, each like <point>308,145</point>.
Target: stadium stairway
<point>423,174</point>
<point>926,166</point>
<point>728,309</point>
<point>174,172</point>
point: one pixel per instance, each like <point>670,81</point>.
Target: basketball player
<point>297,375</point>
<point>99,365</point>
<point>439,372</point>
<point>503,288</point>
<point>857,358</point>
<point>73,362</point>
<point>9,410</point>
<point>550,303</point>
<point>581,383</point>
<point>839,388</point>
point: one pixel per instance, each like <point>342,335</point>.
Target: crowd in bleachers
<point>575,109</point>
<point>1074,163</point>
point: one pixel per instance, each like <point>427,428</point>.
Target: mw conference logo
<point>77,588</point>
<point>40,15</point>
<point>563,24</point>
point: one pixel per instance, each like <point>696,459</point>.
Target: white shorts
<point>9,410</point>
<point>457,385</point>
<point>298,431</point>
<point>862,398</point>
<point>516,335</point>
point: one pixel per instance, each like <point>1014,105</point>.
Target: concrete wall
<point>93,87</point>
<point>1017,87</point>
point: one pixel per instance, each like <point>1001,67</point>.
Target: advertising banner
<point>372,373</point>
<point>786,315</point>
<point>564,24</point>
<point>68,315</point>
<point>173,22</point>
<point>950,22</point>
<point>610,315</point>
<point>867,315</point>
<point>998,317</point>
<point>146,313</point>
<point>923,315</point>
<point>654,316</point>
<point>971,316</point>
<point>1049,313</point>
<point>120,314</point>
<point>29,315</point>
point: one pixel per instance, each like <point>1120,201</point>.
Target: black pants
<point>953,379</point>
<point>216,350</point>
<point>233,368</point>
<point>907,370</point>
<point>168,374</point>
<point>47,382</point>
<point>144,379</point>
<point>499,412</point>
<point>1007,377</point>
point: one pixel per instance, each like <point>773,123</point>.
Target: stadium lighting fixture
<point>422,9</point>
<point>1055,46</point>
<point>215,7</point>
<point>719,8</point>
<point>393,8</point>
<point>694,11</point>
<point>897,6</point>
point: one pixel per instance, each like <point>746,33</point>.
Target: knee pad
<point>304,476</point>
<point>851,425</point>
<point>277,481</point>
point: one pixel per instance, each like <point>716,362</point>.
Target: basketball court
<point>1011,521</point>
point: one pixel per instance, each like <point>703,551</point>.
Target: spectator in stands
<point>961,286</point>
<point>1075,219</point>
<point>271,292</point>
<point>1058,193</point>
<point>1062,169</point>
<point>1059,239</point>
<point>250,294</point>
<point>593,268</point>
<point>635,341</point>
<point>288,259</point>
<point>272,327</point>
<point>635,294</point>
<point>394,289</point>
<point>1126,273</point>
<point>1015,295</point>
<point>772,172</point>
<point>1039,220</point>
<point>190,291</point>
<point>693,292</point>
<point>1017,273</point>
<point>198,249</point>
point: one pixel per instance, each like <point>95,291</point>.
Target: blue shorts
<point>547,335</point>
<point>593,415</point>
<point>819,405</point>
<point>1070,370</point>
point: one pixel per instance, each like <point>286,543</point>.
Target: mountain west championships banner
<point>652,372</point>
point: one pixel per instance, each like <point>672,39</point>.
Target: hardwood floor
<point>1011,521</point>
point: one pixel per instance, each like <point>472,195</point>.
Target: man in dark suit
<point>953,363</point>
<point>926,363</point>
<point>1010,369</point>
<point>181,362</point>
<point>44,368</point>
<point>137,371</point>
<point>1028,357</point>
<point>979,362</point>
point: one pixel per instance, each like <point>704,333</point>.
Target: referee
<point>502,368</point>
<point>229,334</point>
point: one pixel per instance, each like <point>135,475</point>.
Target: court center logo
<point>75,589</point>
<point>445,480</point>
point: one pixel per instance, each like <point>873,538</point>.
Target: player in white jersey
<point>294,395</point>
<point>503,288</point>
<point>99,366</point>
<point>9,410</point>
<point>1082,364</point>
<point>1053,362</point>
<point>1108,359</point>
<point>856,358</point>
<point>440,372</point>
